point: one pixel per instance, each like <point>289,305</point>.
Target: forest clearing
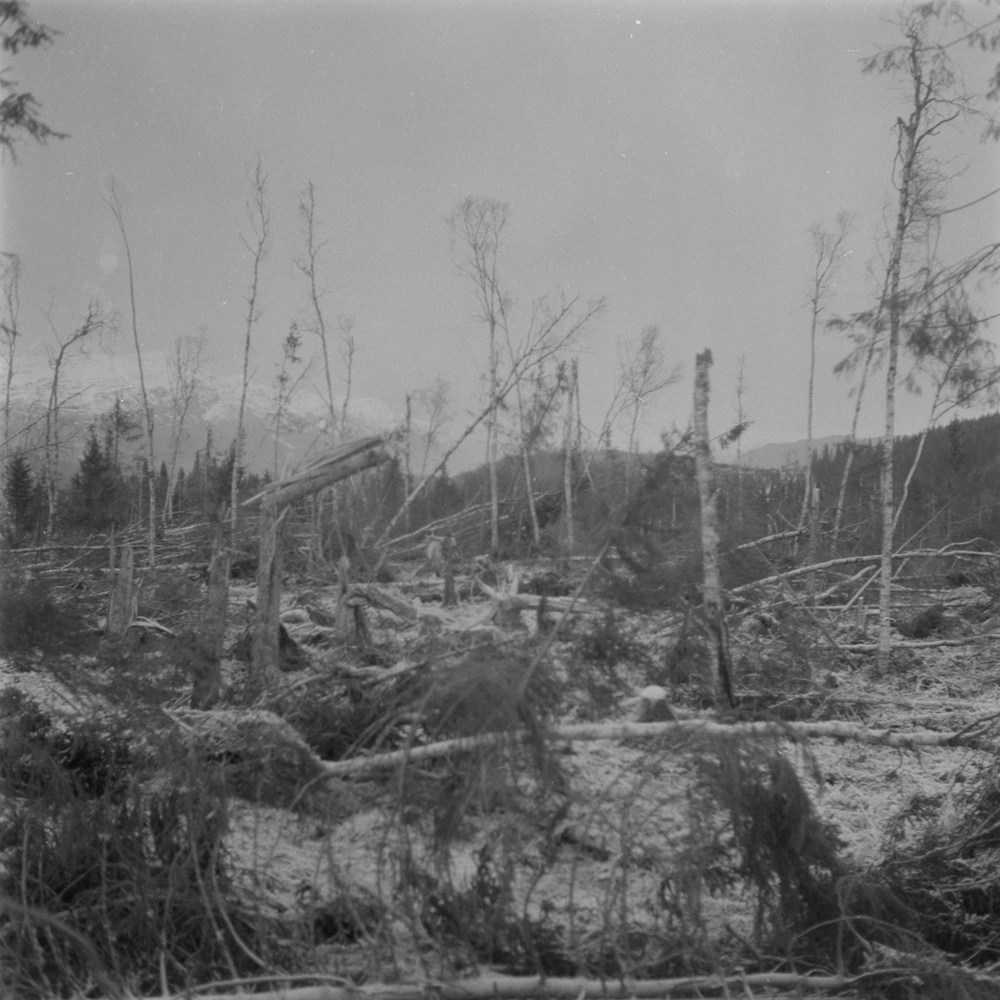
<point>299,701</point>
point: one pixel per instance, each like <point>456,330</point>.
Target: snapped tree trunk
<point>711,589</point>
<point>124,598</point>
<point>264,643</point>
<point>330,468</point>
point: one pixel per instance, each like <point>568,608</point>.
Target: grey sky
<point>668,155</point>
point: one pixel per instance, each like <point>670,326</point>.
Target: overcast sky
<point>670,156</point>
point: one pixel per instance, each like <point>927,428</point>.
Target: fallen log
<point>651,730</point>
<point>871,647</point>
<point>542,988</point>
<point>531,602</point>
<point>384,599</point>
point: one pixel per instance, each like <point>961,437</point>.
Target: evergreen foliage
<point>19,492</point>
<point>94,489</point>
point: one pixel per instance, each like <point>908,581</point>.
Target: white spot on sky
<point>107,262</point>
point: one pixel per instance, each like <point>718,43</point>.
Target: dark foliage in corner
<point>127,848</point>
<point>32,619</point>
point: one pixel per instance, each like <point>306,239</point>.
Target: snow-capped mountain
<point>89,384</point>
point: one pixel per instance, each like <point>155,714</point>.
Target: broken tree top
<point>330,467</point>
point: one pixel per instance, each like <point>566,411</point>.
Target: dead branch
<point>910,703</point>
<point>654,730</point>
<point>794,533</point>
<point>943,553</point>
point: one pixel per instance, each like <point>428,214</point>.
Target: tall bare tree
<point>533,413</point>
<point>435,402</point>
<point>477,233</point>
<point>259,222</point>
<point>827,245</point>
<point>741,421</point>
<point>570,448</point>
<point>642,373</point>
<point>914,284</point>
<point>96,322</point>
<point>285,385</point>
<point>712,599</point>
<point>114,203</point>
<point>348,348</point>
<point>185,367</point>
<point>10,331</point>
<point>307,265</point>
<point>565,322</point>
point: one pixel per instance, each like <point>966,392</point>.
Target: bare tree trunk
<point>407,449</point>
<point>568,461</point>
<point>10,330</point>
<point>96,321</point>
<point>186,365</point>
<point>213,623</point>
<point>260,222</point>
<point>449,551</point>
<point>263,674</point>
<point>712,588</point>
<point>123,599</point>
<point>741,421</point>
<point>908,155</point>
<point>307,211</point>
<point>491,453</point>
<point>340,463</point>
<point>115,205</point>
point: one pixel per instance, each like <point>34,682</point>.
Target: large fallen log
<point>871,647</point>
<point>795,731</point>
<point>542,988</point>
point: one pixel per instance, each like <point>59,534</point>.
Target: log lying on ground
<point>370,593</point>
<point>871,647</point>
<point>652,730</point>
<point>531,602</point>
<point>528,988</point>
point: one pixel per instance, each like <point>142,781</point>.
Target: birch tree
<point>436,402</point>
<point>827,246</point>
<point>259,222</point>
<point>712,600</point>
<point>317,326</point>
<point>9,333</point>
<point>285,385</point>
<point>96,322</point>
<point>477,228</point>
<point>185,367</point>
<point>914,283</point>
<point>642,374</point>
<point>114,203</point>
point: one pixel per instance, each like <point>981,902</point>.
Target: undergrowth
<point>33,620</point>
<point>128,851</point>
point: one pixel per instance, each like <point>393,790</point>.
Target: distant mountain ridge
<point>89,384</point>
<point>778,456</point>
